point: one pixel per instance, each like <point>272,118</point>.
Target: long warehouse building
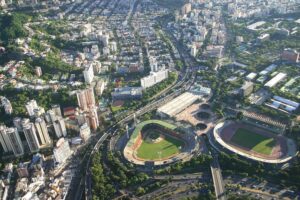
<point>177,105</point>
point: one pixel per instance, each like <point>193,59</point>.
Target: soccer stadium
<point>158,142</point>
<point>254,142</point>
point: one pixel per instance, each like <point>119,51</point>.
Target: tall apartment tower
<point>57,110</point>
<point>42,132</point>
<point>30,107</point>
<point>86,98</point>
<point>4,139</point>
<point>31,137</point>
<point>18,123</point>
<point>60,128</point>
<point>15,141</point>
<point>92,118</point>
<point>62,151</point>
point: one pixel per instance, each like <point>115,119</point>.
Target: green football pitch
<point>256,142</point>
<point>154,151</point>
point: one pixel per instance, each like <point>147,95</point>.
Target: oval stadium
<point>254,142</point>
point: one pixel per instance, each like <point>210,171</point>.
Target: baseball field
<point>166,147</point>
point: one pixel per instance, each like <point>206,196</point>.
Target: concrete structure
<point>22,170</point>
<point>274,81</point>
<point>56,109</point>
<point>91,117</point>
<point>200,90</point>
<point>268,70</point>
<point>31,137</point>
<point>30,106</point>
<point>42,132</point>
<point>60,128</point>
<point>85,132</point>
<point>247,89</point>
<point>177,105</point>
<point>62,151</point>
<point>85,98</point>
<point>218,138</point>
<point>251,76</point>
<point>193,50</point>
<point>88,74</point>
<point>153,64</point>
<point>127,93</point>
<point>154,78</point>
<point>18,123</point>
<point>283,104</point>
<point>5,103</point>
<point>4,139</point>
<point>15,141</point>
<point>290,55</point>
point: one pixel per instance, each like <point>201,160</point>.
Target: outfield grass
<point>168,147</point>
<point>140,126</point>
<point>256,142</point>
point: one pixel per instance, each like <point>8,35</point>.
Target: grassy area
<point>256,142</point>
<point>163,149</point>
<point>116,108</point>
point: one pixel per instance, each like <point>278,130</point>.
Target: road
<point>217,179</point>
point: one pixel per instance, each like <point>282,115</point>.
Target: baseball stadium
<point>158,142</point>
<point>254,142</point>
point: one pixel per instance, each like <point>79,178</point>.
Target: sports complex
<point>254,142</point>
<point>158,142</point>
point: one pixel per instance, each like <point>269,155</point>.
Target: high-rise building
<point>4,139</point>
<point>42,132</point>
<point>62,151</point>
<point>30,106</point>
<point>39,111</point>
<point>31,137</point>
<point>57,110</point>
<point>85,132</point>
<point>92,118</point>
<point>88,74</point>
<point>15,141</point>
<point>50,116</point>
<point>60,128</point>
<point>153,64</point>
<point>86,98</point>
<point>18,123</point>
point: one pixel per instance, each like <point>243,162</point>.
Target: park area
<point>253,141</point>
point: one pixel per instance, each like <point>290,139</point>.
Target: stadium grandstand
<point>264,122</point>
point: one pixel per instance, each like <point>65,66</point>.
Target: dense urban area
<point>149,99</point>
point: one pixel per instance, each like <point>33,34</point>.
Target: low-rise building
<point>127,93</point>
